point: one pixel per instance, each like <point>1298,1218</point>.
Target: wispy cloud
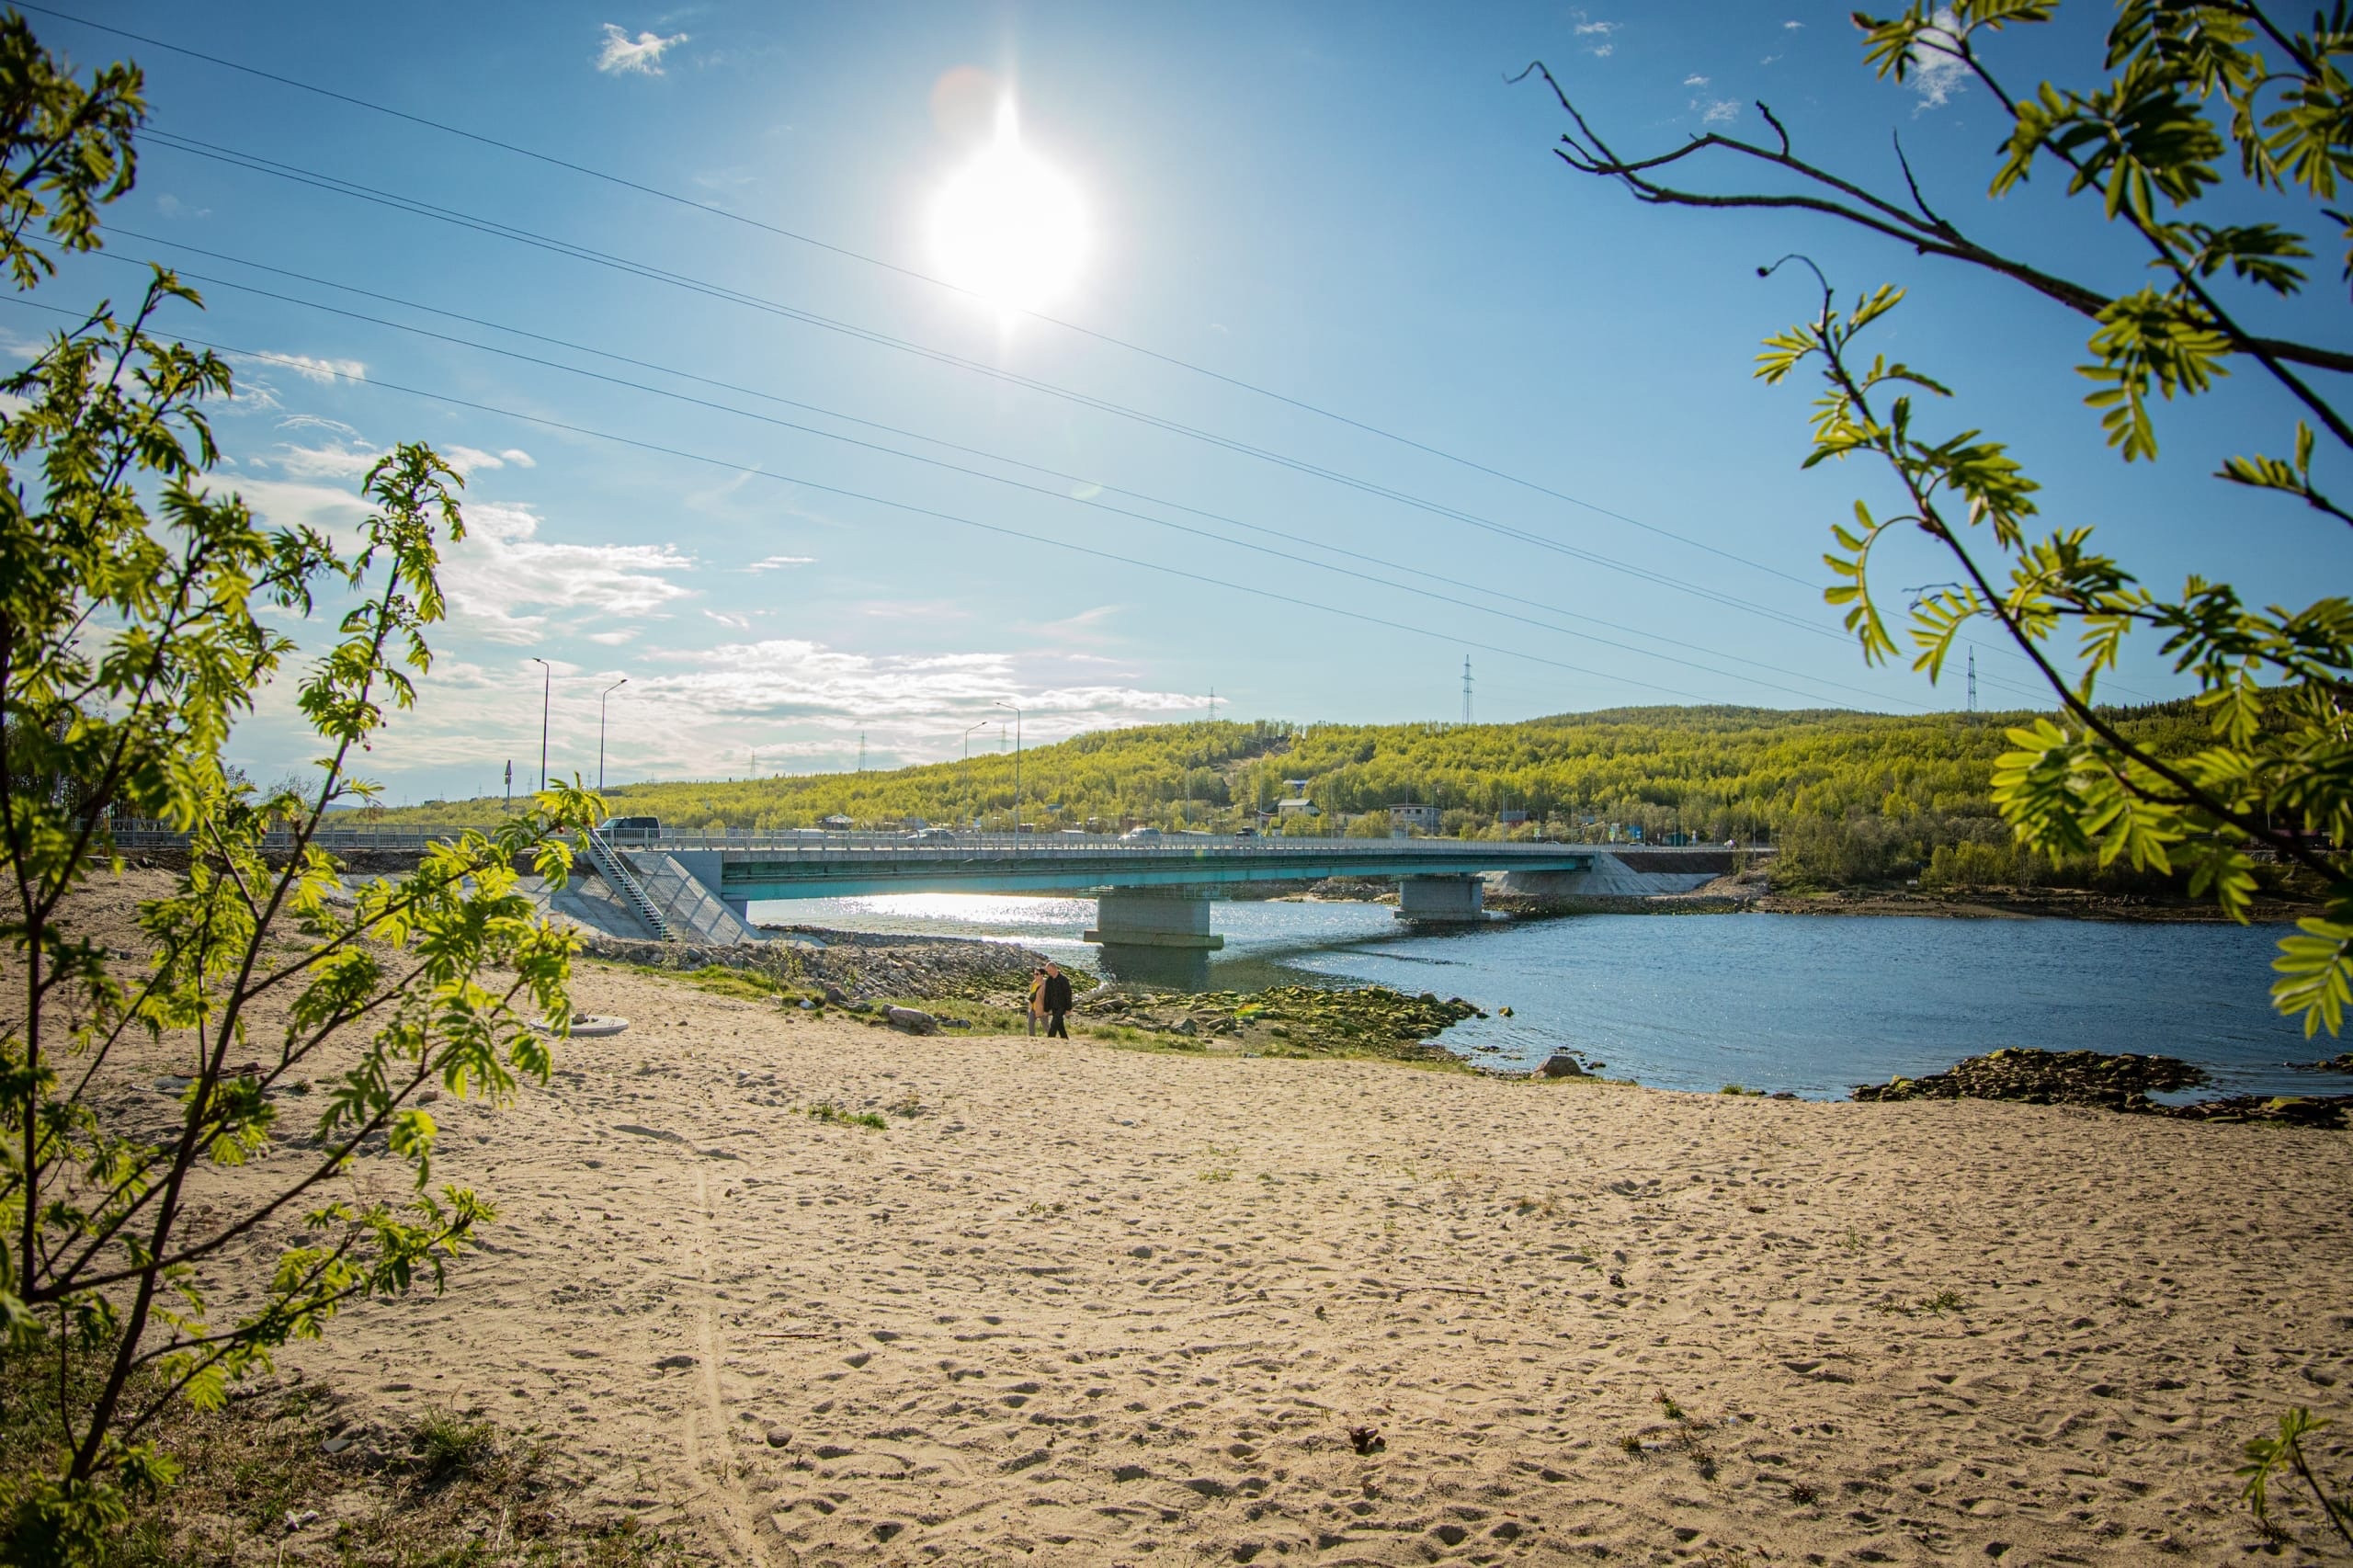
<point>471,460</point>
<point>1694,80</point>
<point>310,367</point>
<point>505,580</point>
<point>1716,111</point>
<point>1794,26</point>
<point>171,206</point>
<point>641,54</point>
<point>1599,34</point>
<point>778,563</point>
<point>1936,75</point>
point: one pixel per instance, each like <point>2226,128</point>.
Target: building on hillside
<point>1403,817</point>
<point>1299,808</point>
<point>837,823</point>
<point>1511,819</point>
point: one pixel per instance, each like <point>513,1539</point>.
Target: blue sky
<point>1348,207</point>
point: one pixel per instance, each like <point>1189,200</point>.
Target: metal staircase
<point>615,869</point>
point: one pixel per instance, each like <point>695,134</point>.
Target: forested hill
<point>1890,789</point>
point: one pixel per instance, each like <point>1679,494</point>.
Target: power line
<point>416,206</point>
<point>1073,500</point>
<point>1072,326</point>
<point>915,274</point>
<point>1222,584</point>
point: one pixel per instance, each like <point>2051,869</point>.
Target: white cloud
<point>776,562</point>
<point>504,579</point>
<point>733,623</point>
<point>913,703</point>
<point>316,422</point>
<point>615,639</point>
<point>1601,48</point>
<point>171,206</point>
<point>346,458</point>
<point>310,367</point>
<point>1935,75</point>
<point>336,510</point>
<point>1717,112</point>
<point>1794,26</point>
<point>1694,80</point>
<point>641,54</point>
<point>467,460</point>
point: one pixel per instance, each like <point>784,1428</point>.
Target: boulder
<point>1561,1064</point>
<point>914,1020</point>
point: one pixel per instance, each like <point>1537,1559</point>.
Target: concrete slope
<point>1610,877</point>
<point>688,907</point>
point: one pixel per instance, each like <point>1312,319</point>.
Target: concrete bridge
<point>1152,896</point>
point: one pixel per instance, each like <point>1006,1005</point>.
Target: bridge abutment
<point>1442,899</point>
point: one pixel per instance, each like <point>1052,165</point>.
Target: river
<point>1812,1004</point>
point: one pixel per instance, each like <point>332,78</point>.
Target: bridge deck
<point>785,869</point>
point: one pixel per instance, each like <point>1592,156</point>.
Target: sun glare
<point>1007,227</point>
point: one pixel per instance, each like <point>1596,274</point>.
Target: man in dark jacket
<point>1057,1001</point>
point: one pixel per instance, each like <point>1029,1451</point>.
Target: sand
<point>1077,1304</point>
<point>1085,1304</point>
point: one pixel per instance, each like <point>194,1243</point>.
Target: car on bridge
<point>631,830</point>
<point>1139,834</point>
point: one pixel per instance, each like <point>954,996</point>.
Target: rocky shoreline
<point>869,973</point>
<point>2120,1083</point>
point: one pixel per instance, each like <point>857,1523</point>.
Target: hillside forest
<point>1849,800</point>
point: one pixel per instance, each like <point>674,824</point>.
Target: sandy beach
<point>1081,1303</point>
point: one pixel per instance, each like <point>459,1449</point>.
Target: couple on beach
<point>1049,999</point>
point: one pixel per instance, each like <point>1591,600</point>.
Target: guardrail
<point>155,836</point>
<point>617,873</point>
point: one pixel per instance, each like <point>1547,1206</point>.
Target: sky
<point>1313,271</point>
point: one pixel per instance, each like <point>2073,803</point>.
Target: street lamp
<point>967,766</point>
<point>1017,769</point>
<point>547,685</point>
<point>600,729</point>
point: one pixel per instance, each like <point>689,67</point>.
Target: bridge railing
<point>413,839</point>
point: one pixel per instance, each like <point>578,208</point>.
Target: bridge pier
<point>1158,935</point>
<point>1442,899</point>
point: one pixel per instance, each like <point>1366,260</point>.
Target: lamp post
<point>547,685</point>
<point>600,729</point>
<point>1017,769</point>
<point>966,766</point>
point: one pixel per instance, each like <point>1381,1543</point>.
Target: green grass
<point>828,1112</point>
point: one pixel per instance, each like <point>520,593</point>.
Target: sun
<point>1007,227</point>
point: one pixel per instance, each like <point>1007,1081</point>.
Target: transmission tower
<point>1973,680</point>
<point>1466,688</point>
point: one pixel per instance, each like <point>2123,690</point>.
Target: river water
<point>1812,1004</point>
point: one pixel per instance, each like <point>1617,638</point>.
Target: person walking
<point>1036,998</point>
<point>1057,998</point>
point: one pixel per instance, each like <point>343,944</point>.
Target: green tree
<point>130,646</point>
<point>2213,136</point>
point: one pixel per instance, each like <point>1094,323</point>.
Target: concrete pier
<point>1160,936</point>
<point>1460,900</point>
